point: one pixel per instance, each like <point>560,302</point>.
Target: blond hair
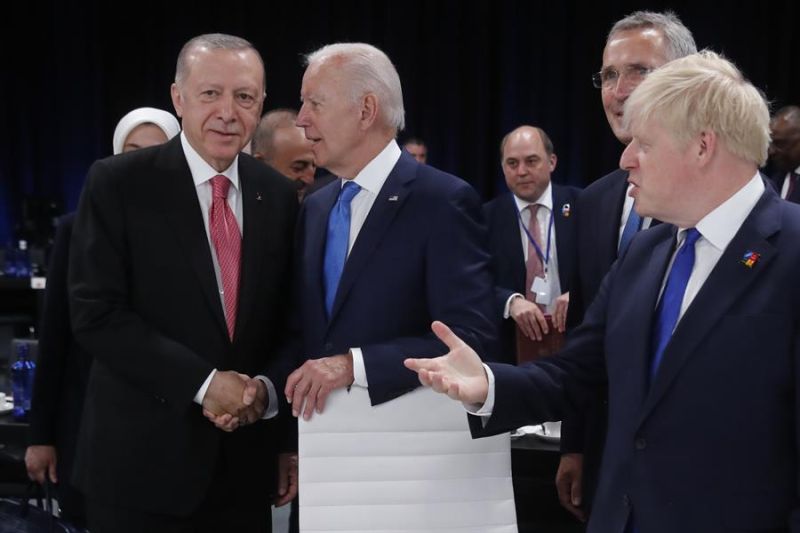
<point>704,91</point>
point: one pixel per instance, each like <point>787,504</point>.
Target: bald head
<point>281,144</point>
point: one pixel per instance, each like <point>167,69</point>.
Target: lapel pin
<point>393,198</point>
<point>750,258</point>
<point>258,196</point>
<point>565,210</point>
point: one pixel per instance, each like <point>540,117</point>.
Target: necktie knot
<point>348,192</point>
<point>220,186</point>
<point>691,237</point>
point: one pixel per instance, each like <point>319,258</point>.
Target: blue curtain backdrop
<point>471,71</point>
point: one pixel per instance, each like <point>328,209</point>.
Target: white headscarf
<point>144,115</point>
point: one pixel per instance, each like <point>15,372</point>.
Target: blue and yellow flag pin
<point>750,258</point>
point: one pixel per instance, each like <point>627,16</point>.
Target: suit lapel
<point>390,200</point>
<point>728,283</point>
<point>254,240</point>
<point>182,211</point>
<point>608,230</point>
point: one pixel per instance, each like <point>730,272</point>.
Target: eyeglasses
<point>608,78</point>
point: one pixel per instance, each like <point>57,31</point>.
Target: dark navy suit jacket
<point>508,259</point>
<point>711,445</point>
<point>420,256</point>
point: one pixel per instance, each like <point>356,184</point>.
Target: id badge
<point>541,290</point>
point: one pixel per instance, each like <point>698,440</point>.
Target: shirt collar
<point>720,225</point>
<point>546,199</point>
<point>202,171</point>
<point>373,176</point>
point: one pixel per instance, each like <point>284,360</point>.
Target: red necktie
<point>228,245</point>
<point>533,266</point>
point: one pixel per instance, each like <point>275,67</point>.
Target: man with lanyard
<point>531,239</point>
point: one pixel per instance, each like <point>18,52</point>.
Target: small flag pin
<point>393,198</point>
<point>750,258</point>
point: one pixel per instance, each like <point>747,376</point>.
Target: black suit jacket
<point>62,370</point>
<point>508,259</point>
<point>146,306</point>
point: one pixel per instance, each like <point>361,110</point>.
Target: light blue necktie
<point>632,226</point>
<point>338,240</point>
<point>669,307</point>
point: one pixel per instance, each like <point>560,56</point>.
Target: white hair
<point>367,70</point>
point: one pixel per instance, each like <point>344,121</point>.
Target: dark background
<point>471,71</point>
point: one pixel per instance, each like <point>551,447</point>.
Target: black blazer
<point>508,259</point>
<point>598,215</point>
<point>62,370</point>
<point>145,304</point>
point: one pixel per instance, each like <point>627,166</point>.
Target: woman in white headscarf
<point>143,127</point>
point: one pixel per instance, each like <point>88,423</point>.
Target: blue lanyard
<point>545,258</point>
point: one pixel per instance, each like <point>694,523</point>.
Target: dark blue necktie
<point>669,307</point>
<point>338,240</point>
<point>632,225</point>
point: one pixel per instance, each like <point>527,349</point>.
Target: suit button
<point>328,345</point>
<point>640,443</point>
<point>626,500</point>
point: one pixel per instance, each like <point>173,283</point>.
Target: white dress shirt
<point>543,216</point>
<point>202,173</point>
<point>717,229</point>
<point>371,180</point>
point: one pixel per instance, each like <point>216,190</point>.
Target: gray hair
<point>704,91</point>
<point>680,41</point>
<point>213,41</point>
<point>269,124</point>
<point>367,70</point>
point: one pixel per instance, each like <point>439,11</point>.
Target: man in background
<point>784,152</point>
<point>531,239</point>
<point>280,143</point>
<point>417,148</point>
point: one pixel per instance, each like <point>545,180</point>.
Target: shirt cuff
<point>272,397</point>
<point>201,393</point>
<point>507,308</point>
<point>486,409</point>
<point>359,370</point>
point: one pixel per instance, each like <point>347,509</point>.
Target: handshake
<point>234,400</point>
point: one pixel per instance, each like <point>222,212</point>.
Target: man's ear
<point>369,110</point>
<point>177,102</point>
